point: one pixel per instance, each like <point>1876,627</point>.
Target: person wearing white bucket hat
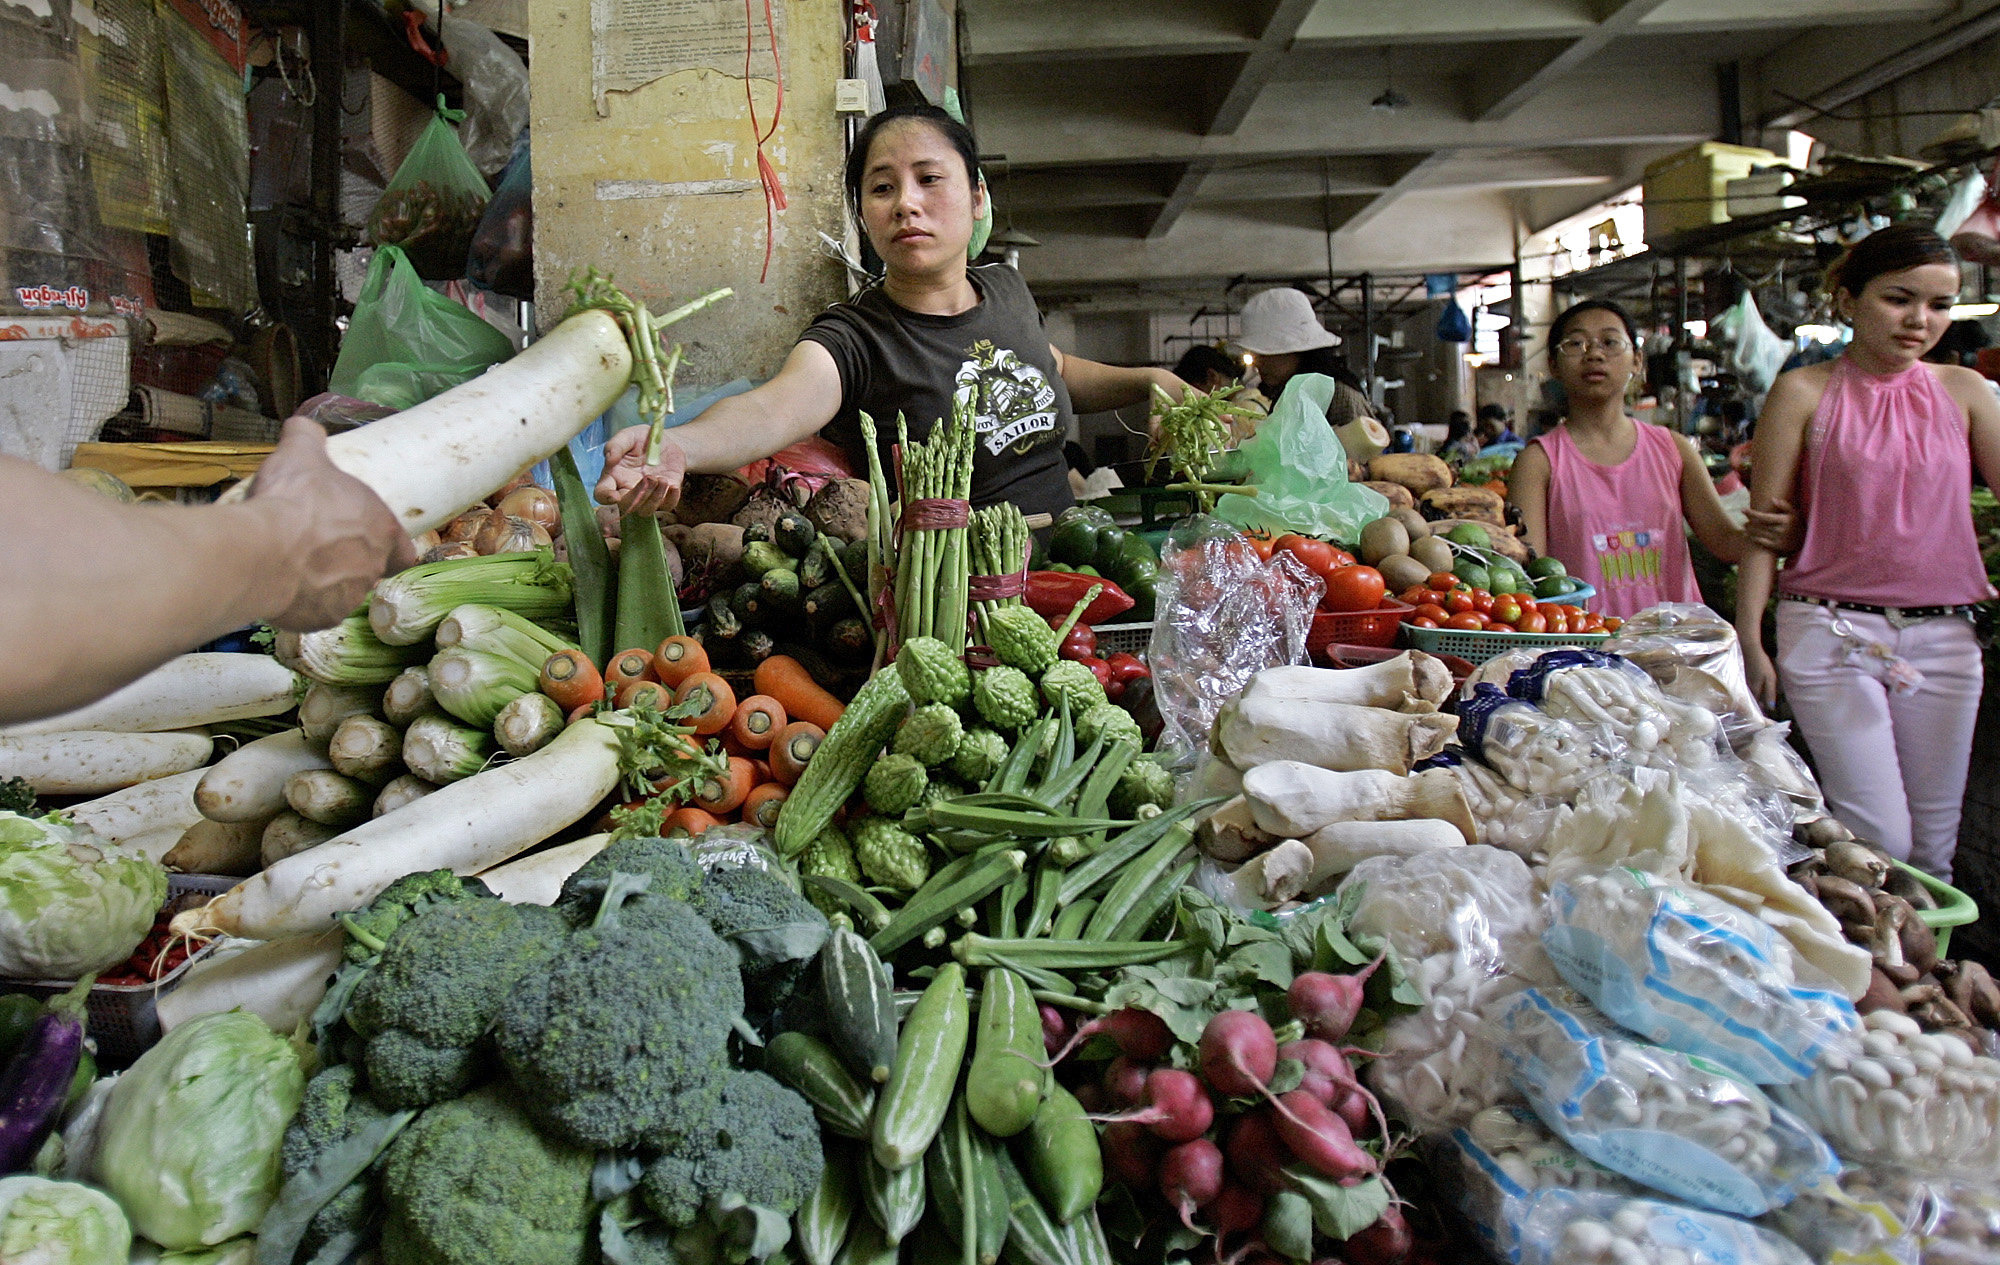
<point>1284,337</point>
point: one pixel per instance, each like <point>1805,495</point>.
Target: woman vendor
<point>932,331</point>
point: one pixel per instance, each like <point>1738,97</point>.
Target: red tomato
<point>1353,588</point>
<point>1466,621</point>
<point>1532,622</point>
<point>1442,581</point>
<point>1388,603</point>
<point>1506,609</point>
<point>1264,545</point>
<point>1413,596</point>
<point>1342,558</point>
<point>1527,601</point>
<point>1482,601</point>
<point>1433,612</point>
<point>1458,601</point>
<point>1316,555</point>
<point>1421,622</point>
<point>1592,622</point>
<point>1612,623</point>
<point>1558,622</point>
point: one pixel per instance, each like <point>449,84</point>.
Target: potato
<point>710,498</point>
<point>1419,472</point>
<point>1399,496</point>
<point>713,548</point>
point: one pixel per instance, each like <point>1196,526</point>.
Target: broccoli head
<point>17,795</point>
<point>623,1033</point>
<point>776,931</point>
<point>426,1006</point>
<point>666,862</point>
<point>369,929</point>
<point>334,1109</point>
<point>761,1147</point>
<point>474,1182</point>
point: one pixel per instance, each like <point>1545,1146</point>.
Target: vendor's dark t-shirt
<point>893,360</point>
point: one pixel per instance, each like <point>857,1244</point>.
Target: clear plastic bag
<point>1690,972</point>
<point>1961,1222</point>
<point>432,205</point>
<point>1868,1218</point>
<point>1693,655</point>
<point>1222,617</point>
<point>1676,1123</point>
<point>496,92</point>
<point>1299,469</point>
<point>1633,817</point>
<point>502,257</point>
<point>1594,688</point>
<point>1492,1168</point>
<point>1534,751</point>
<point>1506,816</point>
<point>1594,1227</point>
<point>406,342</point>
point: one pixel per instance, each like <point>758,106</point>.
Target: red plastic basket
<point>1341,656</point>
<point>1355,628</point>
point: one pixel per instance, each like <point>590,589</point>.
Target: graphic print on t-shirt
<point>1010,401</point>
<point>1628,557</point>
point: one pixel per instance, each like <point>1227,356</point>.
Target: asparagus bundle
<point>935,564</point>
<point>881,542</point>
<point>999,553</point>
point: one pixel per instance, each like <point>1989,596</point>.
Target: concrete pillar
<point>662,192</point>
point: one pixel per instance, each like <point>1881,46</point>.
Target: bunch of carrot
<point>766,738</point>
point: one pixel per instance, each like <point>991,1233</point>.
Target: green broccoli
<point>894,784</point>
<point>979,755</point>
<point>623,1033</point>
<point>1005,697</point>
<point>333,1110</point>
<point>931,734</point>
<point>1143,782</point>
<point>932,673</point>
<point>890,855</point>
<point>442,980</point>
<point>671,867</point>
<point>17,796</point>
<point>473,1182</point>
<point>1072,680</point>
<point>776,931</point>
<point>1111,720</point>
<point>761,1147</point>
<point>830,855</point>
<point>370,929</point>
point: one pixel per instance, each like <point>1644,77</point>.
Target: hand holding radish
<point>631,484</point>
<point>334,536</point>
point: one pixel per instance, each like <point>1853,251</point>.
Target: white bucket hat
<point>1281,320</point>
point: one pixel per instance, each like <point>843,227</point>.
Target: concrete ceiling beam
<point>1506,83</point>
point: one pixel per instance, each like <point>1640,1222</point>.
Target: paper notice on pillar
<point>633,42</point>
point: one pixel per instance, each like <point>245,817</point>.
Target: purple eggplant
<point>36,1082</point>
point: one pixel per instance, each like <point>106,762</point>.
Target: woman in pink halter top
<point>1610,498</point>
<point>1876,653</point>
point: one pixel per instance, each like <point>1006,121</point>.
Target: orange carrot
<point>795,745</point>
<point>761,805</point>
<point>716,702</point>
<point>649,693</point>
<point>727,792</point>
<point>689,821</point>
<point>786,679</point>
<point>679,658</point>
<point>628,666</point>
<point>571,679</point>
<point>581,712</point>
<point>757,721</point>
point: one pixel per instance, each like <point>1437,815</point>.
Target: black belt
<point>1900,616</point>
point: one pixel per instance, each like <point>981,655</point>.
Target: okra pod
<point>1007,903</point>
<point>1048,880</point>
<point>974,949</point>
<point>1073,919</point>
<point>874,915</point>
<point>1150,906</point>
<point>963,883</point>
<point>1012,775</point>
<point>1084,876</point>
<point>1003,821</point>
<point>1063,783</point>
<point>1096,792</point>
<point>1139,879</point>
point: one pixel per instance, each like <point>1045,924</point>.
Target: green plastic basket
<point>1955,908</point>
<point>1477,647</point>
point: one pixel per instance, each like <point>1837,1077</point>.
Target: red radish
<point>1139,1033</point>
<point>1327,1004</point>
<point>1125,1081</point>
<point>1387,1242</point>
<point>1236,1210</point>
<point>1132,1153</point>
<point>1177,1107</point>
<point>1191,1177</point>
<point>1327,1071</point>
<point>1320,1138</point>
<point>1353,1109</point>
<point>1092,1098</point>
<point>1055,1029</point>
<point>1238,1053</point>
<point>1257,1155</point>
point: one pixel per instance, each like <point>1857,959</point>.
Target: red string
<point>774,192</point>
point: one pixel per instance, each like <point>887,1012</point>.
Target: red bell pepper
<point>1102,671</point>
<point>1127,668</point>
<point>1053,594</point>
<point>1081,643</point>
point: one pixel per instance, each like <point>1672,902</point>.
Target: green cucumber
<point>928,1058</point>
<point>860,1005</point>
<point>1003,1086</point>
<point>893,1197</point>
<point>866,1246</point>
<point>1061,1156</point>
<point>821,1224</point>
<point>842,1103</point>
<point>1033,1237</point>
<point>962,1158</point>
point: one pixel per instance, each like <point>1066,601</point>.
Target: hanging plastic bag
<point>1454,326</point>
<point>1966,197</point>
<point>496,92</point>
<point>1759,354</point>
<point>502,257</point>
<point>433,203</point>
<point>407,342</point>
<point>1299,469</point>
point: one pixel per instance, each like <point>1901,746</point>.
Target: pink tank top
<point>1619,528</point>
<point>1885,485</point>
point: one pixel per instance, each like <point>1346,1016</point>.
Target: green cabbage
<point>44,1222</point>
<point>189,1141</point>
<point>70,903</point>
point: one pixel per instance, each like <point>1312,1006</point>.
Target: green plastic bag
<point>406,342</point>
<point>1299,469</point>
<point>433,204</point>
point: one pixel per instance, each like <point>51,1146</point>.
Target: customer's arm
<point>100,593</point>
<point>1774,473</point>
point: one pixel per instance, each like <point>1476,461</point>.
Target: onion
<point>466,525</point>
<point>504,533</point>
<point>537,505</point>
<point>523,478</point>
<point>425,541</point>
<point>446,553</point>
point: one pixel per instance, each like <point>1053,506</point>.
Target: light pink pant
<point>1893,766</point>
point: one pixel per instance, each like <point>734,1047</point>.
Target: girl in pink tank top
<point>1609,497</point>
<point>1876,655</point>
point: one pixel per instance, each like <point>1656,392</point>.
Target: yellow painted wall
<point>690,127</point>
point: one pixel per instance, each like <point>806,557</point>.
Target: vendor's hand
<point>1778,529</point>
<point>340,537</point>
<point>631,484</point>
<point>1759,673</point>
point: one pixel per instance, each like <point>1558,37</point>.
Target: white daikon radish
<point>467,827</point>
<point>1412,681</point>
<point>537,879</point>
<point>153,845</point>
<point>279,981</point>
<point>92,763</point>
<point>1340,847</point>
<point>195,689</point>
<point>1290,799</point>
<point>218,847</point>
<point>1252,731</point>
<point>1364,438</point>
<point>443,456</point>
<point>248,784</point>
<point>289,834</point>
<point>163,804</point>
